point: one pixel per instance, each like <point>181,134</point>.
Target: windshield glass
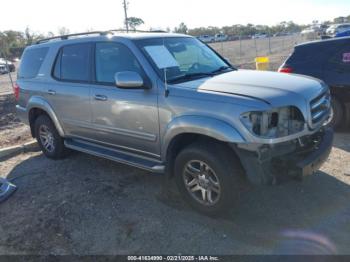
<point>182,58</point>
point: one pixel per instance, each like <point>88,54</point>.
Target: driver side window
<point>112,58</point>
<point>191,56</point>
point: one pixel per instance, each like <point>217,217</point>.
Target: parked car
<point>206,38</point>
<point>9,64</point>
<point>328,60</point>
<point>281,34</point>
<point>337,28</point>
<point>259,36</point>
<point>310,33</point>
<point>3,69</point>
<point>169,104</point>
<point>343,33</point>
<point>220,38</point>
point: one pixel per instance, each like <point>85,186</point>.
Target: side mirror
<point>128,79</point>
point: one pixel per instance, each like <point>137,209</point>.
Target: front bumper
<point>271,164</point>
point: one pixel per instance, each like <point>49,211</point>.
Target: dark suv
<point>328,60</point>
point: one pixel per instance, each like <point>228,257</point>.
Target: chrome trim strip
<point>321,101</point>
<point>113,130</point>
<point>113,146</point>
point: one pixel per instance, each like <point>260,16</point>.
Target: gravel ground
<point>12,131</point>
<point>88,205</point>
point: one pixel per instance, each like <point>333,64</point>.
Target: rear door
<point>69,95</point>
<point>337,67</point>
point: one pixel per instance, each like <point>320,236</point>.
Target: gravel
<point>12,131</point>
<point>87,205</point>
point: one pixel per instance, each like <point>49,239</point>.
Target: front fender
<point>202,125</point>
<point>41,103</point>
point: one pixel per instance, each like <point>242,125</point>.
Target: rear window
<point>73,63</point>
<point>308,53</point>
<point>31,62</point>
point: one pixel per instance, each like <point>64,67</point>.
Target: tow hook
<point>6,189</point>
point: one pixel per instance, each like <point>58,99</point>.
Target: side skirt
<point>115,155</point>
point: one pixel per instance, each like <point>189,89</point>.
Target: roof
<point>96,35</point>
<point>326,41</point>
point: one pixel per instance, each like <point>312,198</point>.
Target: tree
<point>63,31</point>
<point>340,19</point>
<point>182,29</point>
<point>134,22</point>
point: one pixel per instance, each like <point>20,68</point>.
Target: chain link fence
<point>5,82</point>
<point>242,53</point>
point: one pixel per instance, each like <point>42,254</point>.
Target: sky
<point>80,15</point>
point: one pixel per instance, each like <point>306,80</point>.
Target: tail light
<point>16,91</point>
<point>285,69</point>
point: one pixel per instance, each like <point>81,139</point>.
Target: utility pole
<point>125,4</point>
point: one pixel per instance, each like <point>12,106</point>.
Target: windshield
<point>182,58</point>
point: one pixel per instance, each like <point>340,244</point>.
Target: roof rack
<point>65,37</point>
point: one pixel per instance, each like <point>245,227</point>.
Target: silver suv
<point>170,104</point>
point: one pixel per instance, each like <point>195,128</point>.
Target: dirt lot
<point>12,131</point>
<point>5,83</point>
<point>87,205</point>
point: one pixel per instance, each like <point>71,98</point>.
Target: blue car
<point>343,33</point>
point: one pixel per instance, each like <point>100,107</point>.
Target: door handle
<point>100,97</point>
<point>51,92</point>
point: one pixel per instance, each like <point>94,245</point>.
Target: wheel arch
<point>186,130</point>
<point>38,106</point>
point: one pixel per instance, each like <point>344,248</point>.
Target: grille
<point>320,108</point>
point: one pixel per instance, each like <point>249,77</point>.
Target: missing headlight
<point>276,123</point>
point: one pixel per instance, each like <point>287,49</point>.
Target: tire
<point>50,142</point>
<point>221,174</point>
<point>338,113</point>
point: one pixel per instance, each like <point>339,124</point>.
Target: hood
<point>271,87</point>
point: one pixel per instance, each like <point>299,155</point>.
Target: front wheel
<point>208,176</point>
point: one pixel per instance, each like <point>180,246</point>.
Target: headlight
<point>275,123</point>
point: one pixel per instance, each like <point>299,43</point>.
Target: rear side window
<point>31,62</point>
<point>73,63</point>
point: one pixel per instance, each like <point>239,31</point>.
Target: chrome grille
<point>320,108</point>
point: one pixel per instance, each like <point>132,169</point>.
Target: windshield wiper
<point>221,69</point>
<point>189,76</point>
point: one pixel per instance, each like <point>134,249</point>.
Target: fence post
<point>240,48</point>
<point>256,49</point>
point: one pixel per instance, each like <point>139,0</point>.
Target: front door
<point>123,118</point>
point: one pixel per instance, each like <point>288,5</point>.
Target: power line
<point>125,5</point>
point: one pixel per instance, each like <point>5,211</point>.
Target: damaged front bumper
<point>271,164</point>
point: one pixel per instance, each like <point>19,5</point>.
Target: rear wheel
<point>338,113</point>
<point>208,176</point>
<point>50,142</point>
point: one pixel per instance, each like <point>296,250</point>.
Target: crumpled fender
<point>208,126</point>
